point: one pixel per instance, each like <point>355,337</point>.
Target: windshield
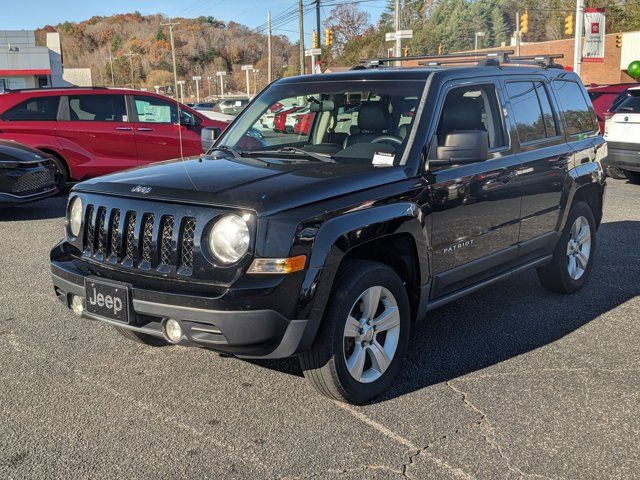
<point>630,104</point>
<point>359,122</point>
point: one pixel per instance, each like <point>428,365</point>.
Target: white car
<point>221,117</point>
<point>622,133</point>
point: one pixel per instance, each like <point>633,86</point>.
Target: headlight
<point>75,216</point>
<point>229,239</point>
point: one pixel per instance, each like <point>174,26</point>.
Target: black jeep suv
<point>411,188</point>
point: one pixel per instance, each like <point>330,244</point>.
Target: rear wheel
<point>142,337</point>
<point>574,254</point>
<point>364,334</point>
<point>634,177</point>
<point>616,172</point>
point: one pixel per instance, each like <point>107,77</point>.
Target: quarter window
<point>575,109</point>
<point>40,108</point>
<point>97,108</point>
<point>532,111</point>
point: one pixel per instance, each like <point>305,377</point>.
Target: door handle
<point>124,129</point>
<point>145,129</point>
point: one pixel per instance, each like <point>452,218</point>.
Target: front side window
<point>575,109</point>
<point>357,122</point>
<point>155,110</point>
<point>40,108</point>
<point>472,108</point>
<point>532,111</point>
<point>97,108</point>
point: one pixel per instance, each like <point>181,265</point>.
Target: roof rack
<point>14,90</point>
<point>494,58</point>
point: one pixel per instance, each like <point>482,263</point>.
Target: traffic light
<point>524,23</point>
<point>619,40</point>
<point>315,40</point>
<point>328,37</point>
<point>405,51</point>
<point>568,24</point>
<point>440,49</point>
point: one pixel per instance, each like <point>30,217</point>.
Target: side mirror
<point>468,146</point>
<point>208,136</point>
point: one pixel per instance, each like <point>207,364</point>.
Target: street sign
<point>313,52</point>
<point>247,67</point>
<point>197,77</point>
<point>181,82</point>
<point>404,34</point>
<point>389,37</point>
<point>221,74</point>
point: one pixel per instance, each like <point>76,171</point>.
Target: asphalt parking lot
<point>511,382</point>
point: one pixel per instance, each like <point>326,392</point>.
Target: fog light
<point>77,305</point>
<point>173,330</point>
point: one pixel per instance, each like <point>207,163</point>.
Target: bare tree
<point>347,22</point>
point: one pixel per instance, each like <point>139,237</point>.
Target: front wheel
<point>616,172</point>
<point>364,334</point>
<point>634,177</point>
<point>574,254</point>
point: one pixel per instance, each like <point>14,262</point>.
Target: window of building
<point>575,109</point>
<point>532,111</point>
<point>97,108</point>
<point>40,108</point>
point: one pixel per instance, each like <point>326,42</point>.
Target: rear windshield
<point>630,104</point>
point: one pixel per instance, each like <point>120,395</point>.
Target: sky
<point>37,13</point>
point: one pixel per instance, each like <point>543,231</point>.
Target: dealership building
<point>23,64</point>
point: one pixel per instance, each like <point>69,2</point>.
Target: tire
<point>61,175</point>
<point>616,172</point>
<point>325,365</point>
<point>564,275</point>
<point>142,337</point>
<point>634,177</point>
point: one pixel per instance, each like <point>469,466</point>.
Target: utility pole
<point>209,85</point>
<point>130,54</point>
<point>197,79</point>
<point>113,80</point>
<point>517,34</point>
<point>318,23</point>
<point>269,67</point>
<point>181,83</point>
<point>173,56</point>
<point>577,47</point>
<point>301,25</point>
<point>398,52</point>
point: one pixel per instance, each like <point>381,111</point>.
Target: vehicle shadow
<point>52,207</point>
<point>511,318</point>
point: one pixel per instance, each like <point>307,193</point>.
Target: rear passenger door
<point>95,132</point>
<point>544,157</point>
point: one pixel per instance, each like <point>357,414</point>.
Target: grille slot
<point>188,234</point>
<point>89,233</point>
<point>147,238</point>
<point>165,240</point>
<point>114,243</point>
<point>130,227</point>
<point>100,221</point>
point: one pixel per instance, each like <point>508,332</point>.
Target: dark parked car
<point>329,245</point>
<point>26,174</point>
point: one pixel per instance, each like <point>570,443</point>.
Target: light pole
<point>247,69</point>
<point>255,81</point>
<point>197,79</point>
<point>181,85</point>
<point>577,47</point>
<point>221,74</point>
<point>478,34</point>
<point>209,86</point>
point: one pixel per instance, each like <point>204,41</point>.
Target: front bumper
<point>625,156</point>
<point>23,183</point>
<point>242,333</point>
<point>7,199</point>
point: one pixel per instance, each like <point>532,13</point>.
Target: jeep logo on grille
<point>141,189</point>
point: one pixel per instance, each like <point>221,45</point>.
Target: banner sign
<point>594,19</point>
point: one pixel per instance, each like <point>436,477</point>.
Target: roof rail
<point>494,58</point>
<point>15,90</point>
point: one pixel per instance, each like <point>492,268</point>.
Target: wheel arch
<point>59,156</point>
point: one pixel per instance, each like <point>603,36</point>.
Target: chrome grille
<point>165,240</point>
<point>128,237</point>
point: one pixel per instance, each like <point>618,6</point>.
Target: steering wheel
<point>388,138</point>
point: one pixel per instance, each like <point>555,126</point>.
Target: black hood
<point>244,183</point>
<point>16,152</point>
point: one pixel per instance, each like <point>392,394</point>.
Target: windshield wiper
<point>226,148</point>
<point>315,156</point>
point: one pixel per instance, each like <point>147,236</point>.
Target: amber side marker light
<point>278,265</point>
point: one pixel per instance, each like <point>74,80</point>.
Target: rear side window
<point>630,104</point>
<point>40,108</point>
<point>575,109</point>
<point>532,111</point>
<point>97,108</point>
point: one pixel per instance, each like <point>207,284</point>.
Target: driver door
<point>476,206</point>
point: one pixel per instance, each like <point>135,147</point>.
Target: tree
<point>159,77</point>
<point>347,22</point>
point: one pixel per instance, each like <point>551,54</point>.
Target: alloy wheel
<point>578,248</point>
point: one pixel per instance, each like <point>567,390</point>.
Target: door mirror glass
<point>208,136</point>
<point>463,147</point>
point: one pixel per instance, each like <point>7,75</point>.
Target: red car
<point>280,121</point>
<point>604,96</point>
<point>94,131</point>
<point>303,123</point>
